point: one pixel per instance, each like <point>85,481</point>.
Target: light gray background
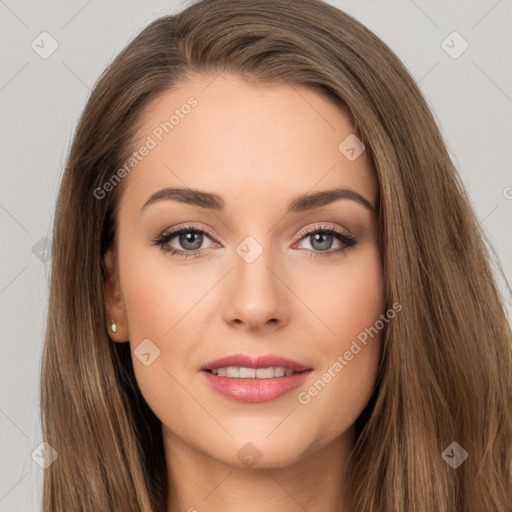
<point>41,99</point>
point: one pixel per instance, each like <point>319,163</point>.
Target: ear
<point>114,303</point>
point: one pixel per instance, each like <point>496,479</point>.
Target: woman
<point>269,290</point>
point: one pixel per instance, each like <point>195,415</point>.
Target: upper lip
<point>264,361</point>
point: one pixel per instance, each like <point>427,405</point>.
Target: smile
<point>250,379</point>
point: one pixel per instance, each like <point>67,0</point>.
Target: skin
<point>258,147</point>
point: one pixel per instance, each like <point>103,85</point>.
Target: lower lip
<point>255,390</point>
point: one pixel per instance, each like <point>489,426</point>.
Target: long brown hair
<point>446,372</point>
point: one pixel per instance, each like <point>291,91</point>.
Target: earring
<point>113,327</point>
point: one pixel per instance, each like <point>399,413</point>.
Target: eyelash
<point>161,240</point>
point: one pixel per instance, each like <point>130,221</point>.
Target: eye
<point>321,240</point>
<point>189,238</point>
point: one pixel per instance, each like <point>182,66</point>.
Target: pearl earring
<point>113,327</point>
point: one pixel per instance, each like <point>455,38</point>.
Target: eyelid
<point>189,227</point>
<point>323,227</point>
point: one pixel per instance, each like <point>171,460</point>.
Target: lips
<point>246,361</point>
<point>231,376</point>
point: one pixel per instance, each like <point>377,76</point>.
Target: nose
<point>257,296</point>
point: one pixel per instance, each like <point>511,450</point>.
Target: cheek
<point>151,303</point>
<point>356,297</point>
<point>350,348</point>
<point>157,293</point>
<point>165,303</point>
<point>345,297</point>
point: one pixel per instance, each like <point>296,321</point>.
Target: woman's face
<point>256,272</point>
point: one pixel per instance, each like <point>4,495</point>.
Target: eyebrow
<point>300,203</point>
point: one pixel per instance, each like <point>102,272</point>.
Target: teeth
<point>279,372</point>
<point>265,373</point>
<point>241,372</point>
<point>232,371</point>
<point>246,373</point>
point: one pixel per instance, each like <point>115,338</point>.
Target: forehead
<point>253,144</point>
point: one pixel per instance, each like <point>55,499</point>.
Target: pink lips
<point>255,390</point>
